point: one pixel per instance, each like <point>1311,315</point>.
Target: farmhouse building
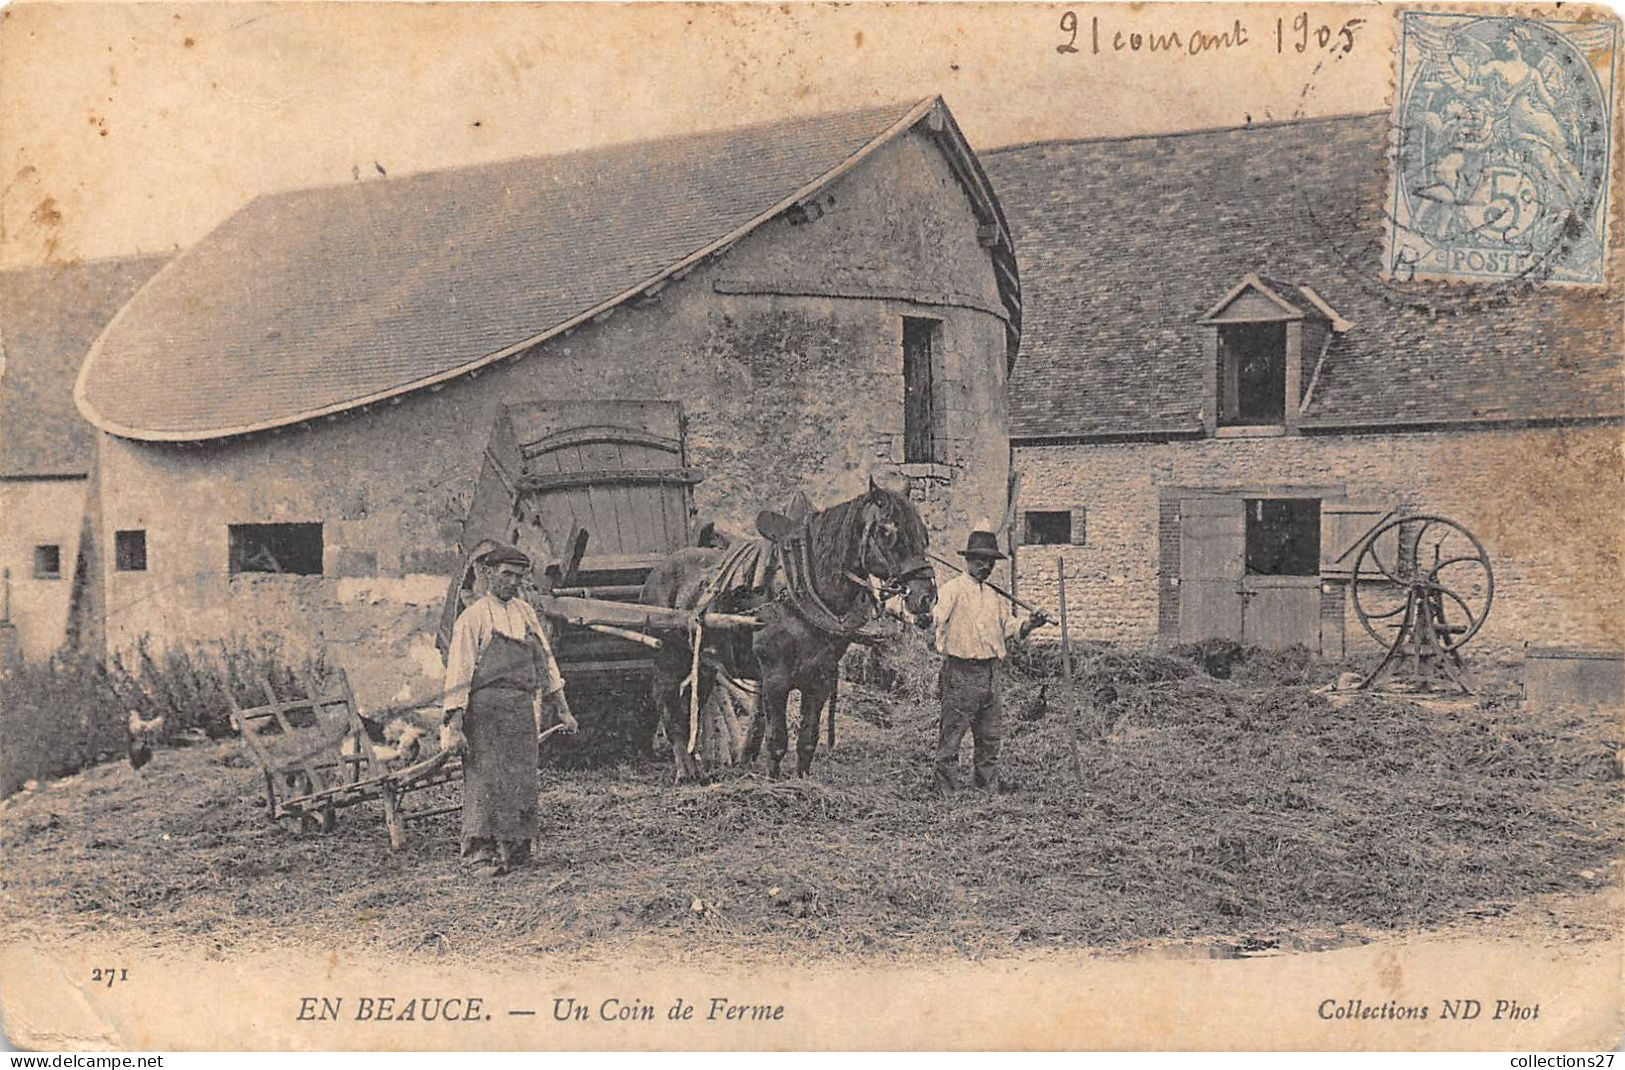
<point>296,411</point>
<point>1219,395</point>
<point>49,316</point>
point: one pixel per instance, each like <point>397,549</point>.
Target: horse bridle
<point>898,574</point>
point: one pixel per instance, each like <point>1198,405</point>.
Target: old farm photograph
<point>550,526</point>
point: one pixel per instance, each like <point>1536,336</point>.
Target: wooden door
<point>1212,554</point>
<point>1280,611</point>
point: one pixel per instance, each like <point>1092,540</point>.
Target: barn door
<point>1280,587</point>
<point>616,469</point>
<point>1212,534</point>
<point>1281,611</point>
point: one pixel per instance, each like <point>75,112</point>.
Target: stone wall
<point>40,512</point>
<point>785,353</point>
<point>1545,503</point>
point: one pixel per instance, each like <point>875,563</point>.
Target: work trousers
<point>970,700</point>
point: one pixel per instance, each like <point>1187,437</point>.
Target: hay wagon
<point>597,493</point>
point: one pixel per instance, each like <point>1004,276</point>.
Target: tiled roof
<point>320,300</point>
<point>1124,244</point>
<point>49,316</point>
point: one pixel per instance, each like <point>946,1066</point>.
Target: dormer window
<point>1264,344</point>
<point>1252,374</point>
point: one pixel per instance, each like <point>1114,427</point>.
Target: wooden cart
<point>317,759</point>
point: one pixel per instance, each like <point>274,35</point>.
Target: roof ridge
<point>86,261</point>
<point>1119,138</point>
<point>900,106</point>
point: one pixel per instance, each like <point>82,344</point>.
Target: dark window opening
<point>1252,374</point>
<point>291,548</point>
<point>1283,537</point>
<point>1049,527</point>
<point>47,562</point>
<point>920,443</point>
<point>130,551</point>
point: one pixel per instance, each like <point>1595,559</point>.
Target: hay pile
<point>1209,811</point>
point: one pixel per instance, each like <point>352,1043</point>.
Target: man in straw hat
<point>499,672</point>
<point>973,624</point>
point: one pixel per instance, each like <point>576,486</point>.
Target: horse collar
<point>804,598</point>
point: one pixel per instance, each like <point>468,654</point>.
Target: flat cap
<point>504,554</point>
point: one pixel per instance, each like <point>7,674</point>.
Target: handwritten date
<point>1299,34</point>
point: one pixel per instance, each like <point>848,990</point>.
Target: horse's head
<point>893,549</point>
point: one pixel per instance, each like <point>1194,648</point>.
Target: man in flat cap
<point>499,672</point>
<point>973,624</point>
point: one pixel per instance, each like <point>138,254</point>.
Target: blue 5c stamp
<point>1504,137</point>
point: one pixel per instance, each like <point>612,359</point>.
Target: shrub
<point>58,717</point>
<point>55,719</point>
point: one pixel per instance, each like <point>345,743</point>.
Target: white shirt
<point>973,620</point>
<point>475,626</point>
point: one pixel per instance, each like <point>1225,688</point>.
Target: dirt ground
<point>1214,818</point>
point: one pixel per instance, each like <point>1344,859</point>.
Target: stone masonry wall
<point>1545,503</point>
<point>40,512</point>
<point>785,353</point>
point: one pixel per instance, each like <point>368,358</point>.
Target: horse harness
<point>803,598</point>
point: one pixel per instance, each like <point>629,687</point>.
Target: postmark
<point>1502,140</point>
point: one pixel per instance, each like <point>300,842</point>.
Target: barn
<point>1219,395</point>
<point>294,414</point>
<point>49,316</point>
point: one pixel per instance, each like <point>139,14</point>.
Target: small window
<point>1252,374</point>
<point>48,562</point>
<point>920,342</point>
<point>289,548</point>
<point>1283,537</point>
<point>130,551</point>
<point>1049,527</point>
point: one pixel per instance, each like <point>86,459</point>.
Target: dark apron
<point>500,783</point>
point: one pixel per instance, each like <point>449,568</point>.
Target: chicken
<point>398,743</point>
<point>1035,708</point>
<point>408,742</point>
<point>141,734</point>
<point>452,738</point>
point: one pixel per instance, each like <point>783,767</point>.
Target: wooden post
<point>834,699</point>
<point>698,639</point>
<point>1066,673</point>
<point>1012,517</point>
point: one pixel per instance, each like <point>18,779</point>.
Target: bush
<point>55,719</point>
<point>187,685</point>
<point>58,717</point>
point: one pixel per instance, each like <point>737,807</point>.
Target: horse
<point>817,595</point>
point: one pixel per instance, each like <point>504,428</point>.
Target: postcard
<point>510,513</point>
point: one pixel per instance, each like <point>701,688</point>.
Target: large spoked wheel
<point>1423,565</point>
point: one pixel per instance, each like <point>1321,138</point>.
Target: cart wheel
<point>1412,561</point>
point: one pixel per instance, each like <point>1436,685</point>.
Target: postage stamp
<point>1503,148</point>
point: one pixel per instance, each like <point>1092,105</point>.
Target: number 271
<point>108,975</point>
